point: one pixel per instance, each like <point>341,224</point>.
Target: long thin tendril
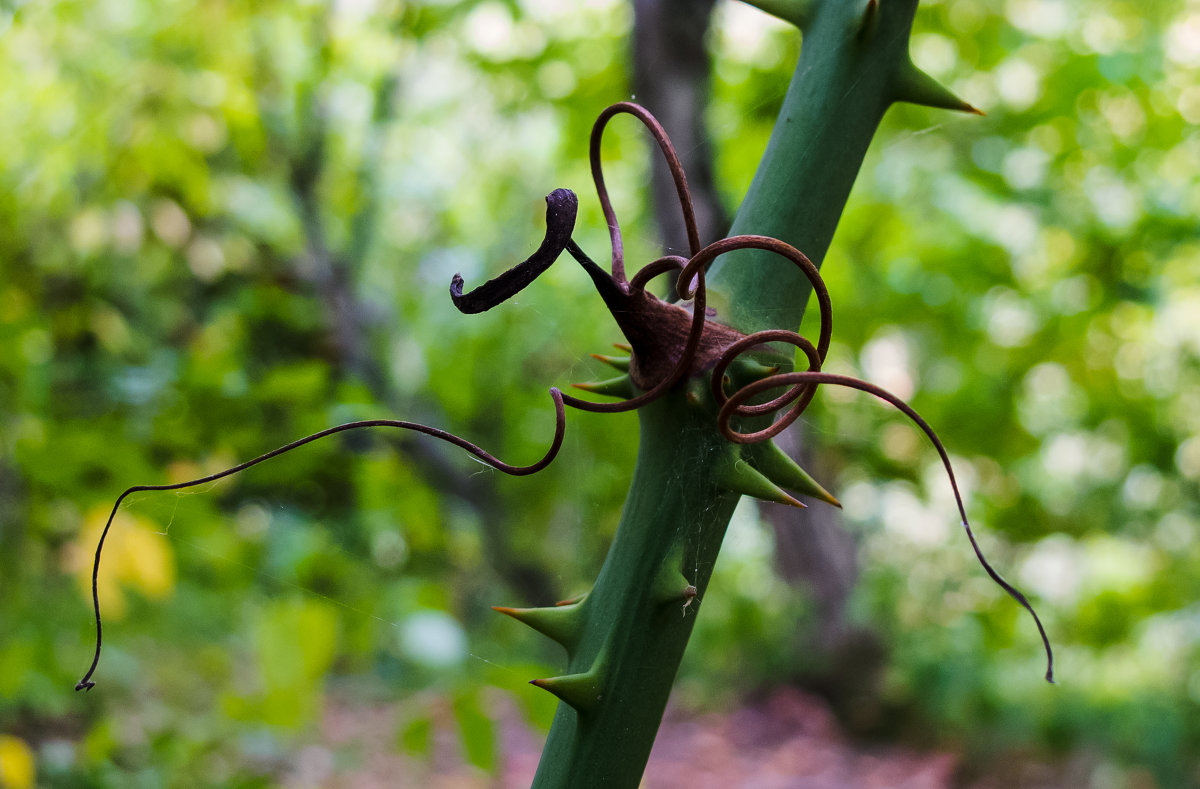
<point>787,379</point>
<point>560,425</point>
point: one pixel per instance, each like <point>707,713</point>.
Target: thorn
<point>775,464</point>
<point>671,586</point>
<point>748,370</point>
<point>697,392</point>
<point>621,386</point>
<point>738,476</point>
<point>581,691</point>
<point>619,362</point>
<point>870,13</point>
<point>561,623</point>
<point>573,600</point>
<point>917,87</point>
<point>622,346</point>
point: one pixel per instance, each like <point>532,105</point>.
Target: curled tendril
<point>801,393</point>
<point>635,309</point>
<point>673,164</point>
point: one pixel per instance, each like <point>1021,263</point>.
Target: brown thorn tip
<point>869,13</point>
<point>794,502</point>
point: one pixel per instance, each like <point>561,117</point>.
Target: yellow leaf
<point>149,564</point>
<point>136,555</point>
<point>16,763</point>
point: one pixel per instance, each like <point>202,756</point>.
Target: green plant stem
<point>854,64</point>
<point>671,530</point>
<point>844,82</point>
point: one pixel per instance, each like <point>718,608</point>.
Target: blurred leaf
<point>476,728</point>
<point>295,642</point>
<point>416,735</point>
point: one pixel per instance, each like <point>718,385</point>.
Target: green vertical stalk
<point>854,64</point>
<point>626,638</point>
<point>634,624</point>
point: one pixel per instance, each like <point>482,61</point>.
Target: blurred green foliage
<point>185,187</point>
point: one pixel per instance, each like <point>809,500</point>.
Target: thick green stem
<point>626,638</point>
<point>853,65</point>
<point>634,621</point>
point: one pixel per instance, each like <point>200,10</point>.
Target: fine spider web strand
<point>517,471</point>
<point>816,378</point>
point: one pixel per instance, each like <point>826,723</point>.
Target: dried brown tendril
<point>560,424</point>
<point>642,318</point>
<point>813,379</point>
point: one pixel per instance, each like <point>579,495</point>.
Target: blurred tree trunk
<point>814,550</point>
<point>671,79</point>
<point>12,530</point>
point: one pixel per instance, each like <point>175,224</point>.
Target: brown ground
<point>788,741</point>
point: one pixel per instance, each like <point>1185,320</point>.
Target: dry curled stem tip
<point>561,208</point>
